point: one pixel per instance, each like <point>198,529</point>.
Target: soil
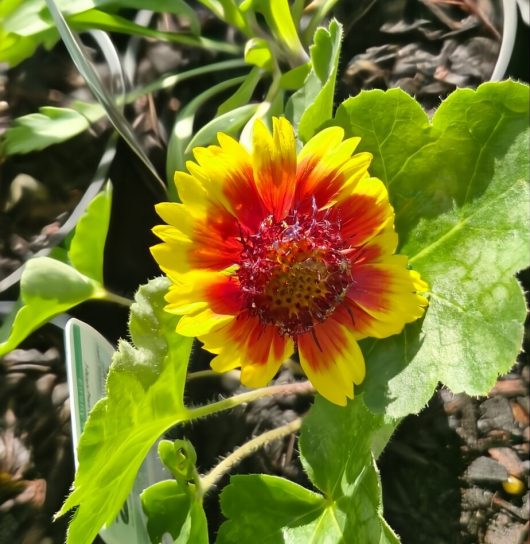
<point>443,471</point>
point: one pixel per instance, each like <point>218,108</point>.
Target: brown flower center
<point>294,272</point>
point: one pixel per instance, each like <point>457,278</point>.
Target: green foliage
<point>39,130</point>
<point>243,95</point>
<point>26,24</point>
<point>88,245</point>
<point>312,105</point>
<point>49,287</point>
<point>335,447</point>
<point>171,509</point>
<point>257,52</point>
<point>460,190</point>
<point>93,81</point>
<point>179,457</point>
<point>111,22</point>
<point>175,506</point>
<point>145,389</point>
<point>53,125</point>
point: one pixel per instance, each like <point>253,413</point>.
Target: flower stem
<point>113,297</point>
<point>303,388</point>
<point>227,464</point>
<point>202,374</point>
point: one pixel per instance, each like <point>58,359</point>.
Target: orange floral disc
<point>272,252</point>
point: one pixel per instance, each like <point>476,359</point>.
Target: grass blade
<point>80,59</point>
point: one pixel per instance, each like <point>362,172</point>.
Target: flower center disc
<point>294,272</point>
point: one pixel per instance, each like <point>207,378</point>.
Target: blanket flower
<point>273,252</point>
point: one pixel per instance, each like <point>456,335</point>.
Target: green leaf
<point>229,123</point>
<point>243,94</point>
<point>335,447</point>
<point>312,105</point>
<point>88,243</point>
<point>460,190</point>
<point>52,125</point>
<point>177,7</point>
<point>322,9</point>
<point>47,288</point>
<point>26,24</point>
<point>171,509</point>
<point>294,79</point>
<point>39,130</point>
<point>262,508</point>
<point>145,388</point>
<point>110,22</point>
<point>278,16</point>
<point>257,52</point>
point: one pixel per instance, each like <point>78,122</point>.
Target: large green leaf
<point>460,190</point>
<point>47,288</point>
<point>335,446</point>
<point>144,398</point>
<point>312,105</point>
<point>88,243</point>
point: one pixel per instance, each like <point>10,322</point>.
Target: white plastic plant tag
<point>88,358</point>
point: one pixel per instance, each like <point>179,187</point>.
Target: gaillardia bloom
<point>271,252</point>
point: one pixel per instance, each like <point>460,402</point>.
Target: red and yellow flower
<point>271,252</point>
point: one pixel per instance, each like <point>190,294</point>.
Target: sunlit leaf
<point>145,388</point>
<point>111,22</point>
<point>88,243</point>
<point>257,52</point>
<point>294,79</point>
<point>243,95</point>
<point>229,123</point>
<point>278,16</point>
<point>39,130</point>
<point>461,194</point>
<point>53,125</point>
<point>47,288</point>
<point>312,105</point>
<point>26,24</point>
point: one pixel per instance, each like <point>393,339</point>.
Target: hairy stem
<point>304,388</point>
<point>226,465</point>
<point>202,374</point>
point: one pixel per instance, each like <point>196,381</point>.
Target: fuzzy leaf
<point>459,186</point>
<point>144,398</point>
<point>312,105</point>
